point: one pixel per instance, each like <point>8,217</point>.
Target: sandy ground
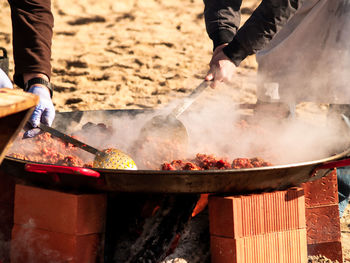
<point>131,54</point>
<point>125,54</point>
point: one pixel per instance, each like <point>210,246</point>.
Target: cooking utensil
<point>108,158</point>
<point>168,126</point>
<point>190,99</point>
<point>155,181</point>
<point>162,130</point>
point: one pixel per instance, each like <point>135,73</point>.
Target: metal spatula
<point>169,124</point>
<point>108,158</point>
<point>163,130</point>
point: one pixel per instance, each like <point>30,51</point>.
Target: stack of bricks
<point>52,226</point>
<point>264,228</point>
<point>322,217</point>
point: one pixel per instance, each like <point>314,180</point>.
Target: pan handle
<point>332,165</point>
<point>46,169</point>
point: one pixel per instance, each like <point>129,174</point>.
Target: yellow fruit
<point>114,159</point>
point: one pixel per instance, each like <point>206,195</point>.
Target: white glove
<point>5,82</point>
<point>44,112</point>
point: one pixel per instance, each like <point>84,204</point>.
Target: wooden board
<point>16,106</point>
<point>15,100</point>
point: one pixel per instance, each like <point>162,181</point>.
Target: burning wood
<point>145,234</point>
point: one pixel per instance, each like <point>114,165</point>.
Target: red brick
<point>246,215</point>
<point>60,212</point>
<point>223,250</point>
<point>323,224</point>
<point>331,250</point>
<point>41,246</point>
<point>221,221</point>
<point>287,246</point>
<point>322,192</point>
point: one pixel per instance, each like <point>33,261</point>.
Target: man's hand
<point>222,68</point>
<point>44,112</point>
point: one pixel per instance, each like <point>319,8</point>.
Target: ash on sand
<point>320,259</point>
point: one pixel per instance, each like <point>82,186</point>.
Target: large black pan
<point>154,181</point>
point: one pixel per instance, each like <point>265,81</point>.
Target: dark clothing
<point>32,23</point>
<point>222,19</point>
<point>343,177</point>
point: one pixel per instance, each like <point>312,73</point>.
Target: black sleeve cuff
<point>235,52</point>
<point>221,37</point>
<point>38,80</point>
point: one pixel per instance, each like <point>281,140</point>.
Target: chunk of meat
<point>45,148</point>
<point>210,162</point>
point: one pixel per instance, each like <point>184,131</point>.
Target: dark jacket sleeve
<point>268,18</point>
<point>222,19</point>
<point>32,24</point>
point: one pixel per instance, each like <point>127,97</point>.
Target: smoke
<point>210,123</point>
<point>310,57</point>
<point>309,60</point>
<point>30,244</point>
<point>214,126</point>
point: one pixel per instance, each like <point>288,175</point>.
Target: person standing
<point>32,25</point>
<point>302,50</point>
<point>232,44</point>
<point>309,60</point>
